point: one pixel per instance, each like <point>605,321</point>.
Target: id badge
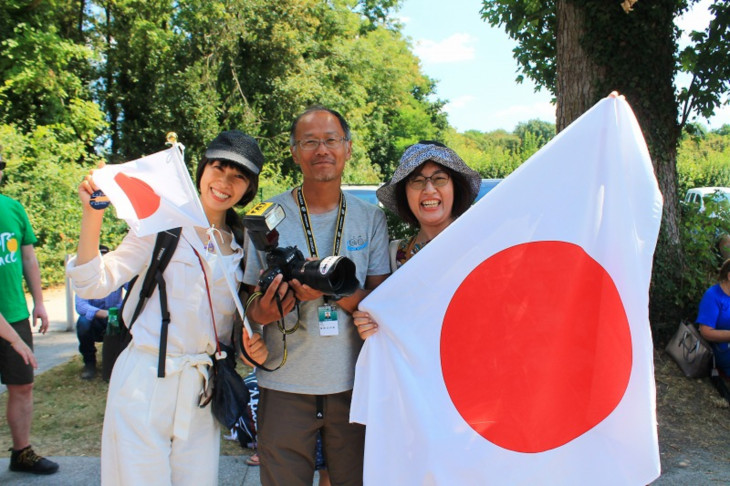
<point>328,320</point>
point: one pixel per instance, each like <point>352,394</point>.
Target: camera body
<point>332,275</point>
<point>280,261</point>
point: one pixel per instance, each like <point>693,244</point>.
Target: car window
<point>486,186</point>
<point>366,193</point>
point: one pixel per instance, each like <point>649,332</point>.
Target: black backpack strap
<point>165,323</point>
<point>161,254</point>
<point>165,246</point>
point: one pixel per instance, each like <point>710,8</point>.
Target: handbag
<point>691,352</point>
<point>230,395</point>
<point>226,392</point>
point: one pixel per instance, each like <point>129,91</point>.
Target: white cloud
<point>459,102</point>
<point>518,113</point>
<point>456,48</point>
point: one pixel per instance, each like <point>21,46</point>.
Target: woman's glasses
<point>439,179</point>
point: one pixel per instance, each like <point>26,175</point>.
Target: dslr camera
<point>333,275</point>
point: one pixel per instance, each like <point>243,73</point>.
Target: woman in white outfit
<point>154,431</point>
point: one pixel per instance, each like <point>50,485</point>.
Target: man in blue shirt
<point>91,325</point>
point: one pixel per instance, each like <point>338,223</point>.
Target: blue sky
<point>473,65</point>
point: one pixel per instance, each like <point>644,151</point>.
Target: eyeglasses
<point>439,179</point>
<point>309,145</point>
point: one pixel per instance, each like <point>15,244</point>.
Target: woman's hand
<point>91,220</point>
<point>366,326</point>
<point>255,347</point>
<point>87,188</point>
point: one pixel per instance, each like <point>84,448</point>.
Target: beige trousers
<point>154,432</point>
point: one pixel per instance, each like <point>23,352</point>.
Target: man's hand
<point>264,310</point>
<point>24,351</point>
<point>39,312</point>
<point>304,292</point>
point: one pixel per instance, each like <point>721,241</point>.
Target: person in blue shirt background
<point>92,322</point>
<point>714,318</point>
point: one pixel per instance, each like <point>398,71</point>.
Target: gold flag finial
<point>171,138</point>
<point>628,5</point>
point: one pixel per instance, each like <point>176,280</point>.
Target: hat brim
<point>218,154</point>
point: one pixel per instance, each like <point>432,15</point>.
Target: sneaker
<point>89,371</point>
<point>26,460</point>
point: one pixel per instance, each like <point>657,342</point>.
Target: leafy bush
<point>700,233</point>
<point>44,168</point>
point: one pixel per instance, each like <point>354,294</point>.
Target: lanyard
<point>307,225</point>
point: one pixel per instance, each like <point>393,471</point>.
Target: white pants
<point>154,431</point>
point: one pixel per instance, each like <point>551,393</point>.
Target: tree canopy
<point>87,81</point>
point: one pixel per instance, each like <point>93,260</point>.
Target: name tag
<point>328,325</point>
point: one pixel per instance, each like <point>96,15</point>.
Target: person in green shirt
<point>18,261</point>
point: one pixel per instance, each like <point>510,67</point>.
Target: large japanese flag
<point>152,194</point>
<point>515,348</point>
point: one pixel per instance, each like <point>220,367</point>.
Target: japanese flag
<point>515,348</point>
<point>152,194</point>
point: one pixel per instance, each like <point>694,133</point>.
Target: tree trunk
<point>576,73</point>
<point>599,49</point>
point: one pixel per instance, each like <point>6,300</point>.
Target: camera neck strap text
<point>307,225</point>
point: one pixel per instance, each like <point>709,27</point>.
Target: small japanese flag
<point>153,193</point>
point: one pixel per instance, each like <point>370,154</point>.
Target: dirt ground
<point>694,427</point>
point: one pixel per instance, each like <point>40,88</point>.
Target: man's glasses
<point>439,179</point>
<point>309,145</point>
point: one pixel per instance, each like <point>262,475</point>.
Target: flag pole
<point>171,139</point>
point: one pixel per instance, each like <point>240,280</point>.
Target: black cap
<point>236,146</point>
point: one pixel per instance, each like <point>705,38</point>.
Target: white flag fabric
<point>153,193</point>
<point>515,348</point>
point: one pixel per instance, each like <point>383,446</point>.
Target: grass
<point>68,413</point>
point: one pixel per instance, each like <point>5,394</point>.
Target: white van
<point>696,196</point>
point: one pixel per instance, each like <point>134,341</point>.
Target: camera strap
<point>307,225</point>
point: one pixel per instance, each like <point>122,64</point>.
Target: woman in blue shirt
<point>714,318</point>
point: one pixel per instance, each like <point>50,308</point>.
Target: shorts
<point>13,370</point>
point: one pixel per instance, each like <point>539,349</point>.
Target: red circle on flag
<point>143,198</point>
<point>536,346</point>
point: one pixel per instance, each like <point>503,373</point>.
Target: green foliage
<point>706,60</point>
<point>703,162</point>
<point>81,82</point>
<point>700,234</point>
<point>397,229</point>
<point>42,69</point>
<point>43,171</point>
<point>496,154</point>
<point>636,54</point>
<point>540,131</point>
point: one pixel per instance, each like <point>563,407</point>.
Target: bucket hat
<point>418,154</point>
